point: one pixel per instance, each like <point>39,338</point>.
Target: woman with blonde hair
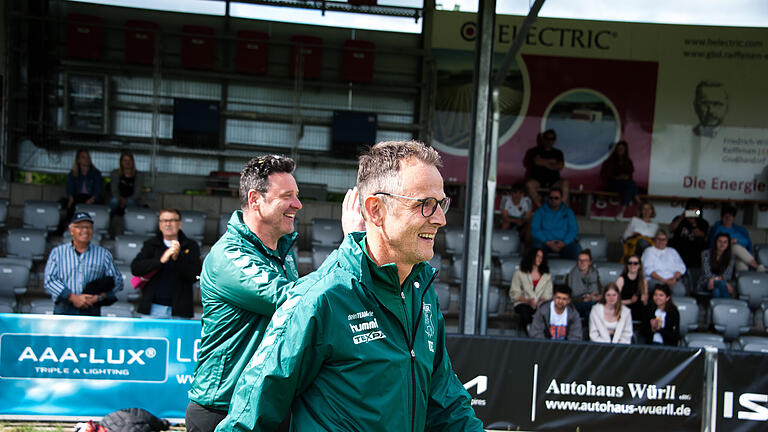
<point>610,321</point>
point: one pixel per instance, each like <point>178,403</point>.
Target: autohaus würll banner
<point>689,101</point>
<point>543,385</point>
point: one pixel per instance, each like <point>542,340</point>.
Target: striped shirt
<point>66,272</point>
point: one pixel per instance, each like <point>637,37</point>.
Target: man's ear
<point>373,209</point>
<point>253,199</point>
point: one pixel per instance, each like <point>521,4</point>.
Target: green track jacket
<point>241,284</point>
<point>344,353</point>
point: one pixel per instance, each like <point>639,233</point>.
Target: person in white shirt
<point>640,231</point>
<point>610,321</point>
<point>662,265</point>
<point>516,212</point>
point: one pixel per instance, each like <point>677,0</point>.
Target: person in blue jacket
<point>554,227</point>
<point>741,244</point>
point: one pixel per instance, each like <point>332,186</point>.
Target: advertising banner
<point>741,392</point>
<point>544,385</point>
<point>688,100</point>
<point>87,367</point>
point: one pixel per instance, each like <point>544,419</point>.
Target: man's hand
<point>83,301</point>
<point>670,282</point>
<point>351,218</point>
<point>172,252</point>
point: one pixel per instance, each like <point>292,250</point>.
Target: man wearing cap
<point>79,267</point>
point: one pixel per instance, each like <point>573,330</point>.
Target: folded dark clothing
<point>100,285</point>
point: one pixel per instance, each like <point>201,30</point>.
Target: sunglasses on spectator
<point>633,263</point>
<point>554,197</point>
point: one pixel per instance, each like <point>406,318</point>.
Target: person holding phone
<point>689,233</point>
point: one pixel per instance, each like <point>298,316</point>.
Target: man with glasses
<point>170,262</point>
<point>244,279</point>
<point>80,276</point>
<point>543,164</point>
<point>663,265</point>
<point>554,227</point>
<point>360,344</point>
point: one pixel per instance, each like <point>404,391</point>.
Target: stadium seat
<point>140,221</point>
<point>443,291</point>
<point>26,262</point>
<point>457,268</point>
<point>14,279</point>
<point>43,307</point>
<point>597,245</point>
<point>494,301</point>
<point>436,262</point>
<point>127,247</point>
<point>761,254</point>
<point>752,344</point>
<point>701,340</point>
<point>3,211</point>
<point>26,243</point>
<point>6,307</point>
<point>731,319</point>
<point>454,241</point>
<point>689,314</point>
<point>504,243</point>
<point>223,220</point>
<point>128,293</point>
<point>118,309</point>
<point>753,288</point>
<point>559,268</point>
<point>193,224</point>
<point>42,215</point>
<point>100,215</point>
<point>608,272</point>
<point>326,232</point>
<point>319,255</point>
<point>509,266</point>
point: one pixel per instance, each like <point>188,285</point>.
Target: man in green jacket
<point>244,276</point>
<point>359,345</point>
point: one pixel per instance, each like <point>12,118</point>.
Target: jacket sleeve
<point>188,264</point>
<point>574,324</point>
<point>112,270</point>
<point>706,269</point>
<point>243,280</point>
<point>626,332</point>
<point>52,282</point>
<point>516,287</point>
<point>147,260</point>
<point>537,232</point>
<point>70,185</point>
<point>539,323</point>
<point>573,228</point>
<point>671,330</point>
<point>449,407</point>
<point>287,361</point>
<point>594,326</point>
<point>114,183</point>
<point>545,283</point>
<point>98,185</point>
<point>138,185</point>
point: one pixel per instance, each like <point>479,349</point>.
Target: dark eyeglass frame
<point>553,198</point>
<point>633,262</point>
<point>169,220</point>
<point>444,203</point>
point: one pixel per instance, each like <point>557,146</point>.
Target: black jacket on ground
<point>133,420</point>
<point>179,274</point>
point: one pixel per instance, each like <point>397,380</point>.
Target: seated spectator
<point>171,262</point>
<point>126,184</point>
<point>633,286</point>
<point>84,183</point>
<point>516,212</point>
<point>80,276</point>
<point>663,265</point>
<point>640,231</point>
<point>557,318</point>
<point>543,164</point>
<point>741,244</point>
<point>554,228</point>
<point>610,321</point>
<point>717,268</point>
<point>661,324</point>
<point>617,172</point>
<point>531,285</point>
<point>689,233</point>
<point>584,282</point>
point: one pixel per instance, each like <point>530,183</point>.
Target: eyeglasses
<point>661,239</point>
<point>633,263</point>
<point>428,205</point>
<point>554,198</point>
<point>168,220</point>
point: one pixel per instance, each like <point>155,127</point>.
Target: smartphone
<point>692,213</point>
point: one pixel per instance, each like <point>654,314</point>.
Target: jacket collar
<point>284,243</point>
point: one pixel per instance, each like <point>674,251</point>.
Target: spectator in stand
<point>617,171</point>
<point>554,227</point>
<point>557,319</point>
<point>126,184</point>
<point>633,286</point>
<point>171,262</point>
<point>689,233</point>
<point>516,212</point>
<point>610,321</point>
<point>584,282</point>
<point>717,266</point>
<point>663,265</point>
<point>741,244</point>
<point>80,276</point>
<point>84,183</point>
<point>640,231</point>
<point>531,285</point>
<point>543,164</point>
<point>662,322</point>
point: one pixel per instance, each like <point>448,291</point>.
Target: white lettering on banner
<point>751,404</point>
<point>585,389</point>
<point>480,382</point>
<point>69,355</point>
<point>195,349</point>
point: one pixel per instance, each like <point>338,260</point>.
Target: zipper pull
<point>413,354</point>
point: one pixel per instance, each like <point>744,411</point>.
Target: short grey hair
<point>380,166</point>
